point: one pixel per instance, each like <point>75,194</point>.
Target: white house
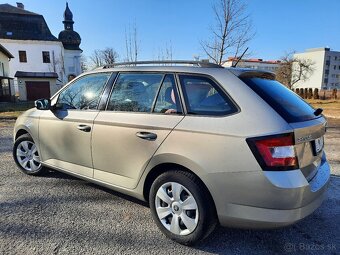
<point>6,85</point>
<point>42,63</point>
<point>326,65</point>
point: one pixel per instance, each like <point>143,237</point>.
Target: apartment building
<point>326,64</point>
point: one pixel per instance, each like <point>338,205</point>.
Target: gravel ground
<point>59,214</point>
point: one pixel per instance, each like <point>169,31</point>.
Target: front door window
<point>84,93</point>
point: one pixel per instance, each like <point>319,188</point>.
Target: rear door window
<point>203,96</point>
<point>168,101</point>
<point>285,102</point>
<point>134,92</point>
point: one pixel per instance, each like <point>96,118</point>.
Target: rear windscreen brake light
<point>275,152</point>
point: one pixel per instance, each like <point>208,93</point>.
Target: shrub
<point>316,93</point>
<point>334,94</point>
<point>310,93</point>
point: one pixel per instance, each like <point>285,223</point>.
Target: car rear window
<point>284,101</point>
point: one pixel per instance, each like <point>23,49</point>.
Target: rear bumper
<point>253,217</point>
<point>270,199</point>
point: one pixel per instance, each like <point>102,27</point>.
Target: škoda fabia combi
<point>204,145</point>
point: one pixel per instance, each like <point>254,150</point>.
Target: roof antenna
<point>238,60</point>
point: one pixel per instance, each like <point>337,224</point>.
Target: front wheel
<point>26,156</point>
<point>181,207</point>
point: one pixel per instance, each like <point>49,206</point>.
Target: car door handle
<point>84,128</point>
<point>147,135</point>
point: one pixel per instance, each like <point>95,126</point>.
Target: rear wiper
<point>318,111</point>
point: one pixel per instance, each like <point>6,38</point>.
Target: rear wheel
<point>181,207</point>
<point>26,156</point>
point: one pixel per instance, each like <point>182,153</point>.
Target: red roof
<point>254,60</point>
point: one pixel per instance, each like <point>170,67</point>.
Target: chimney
<point>20,5</point>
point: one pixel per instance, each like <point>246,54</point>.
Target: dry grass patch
<point>331,109</point>
<point>10,114</point>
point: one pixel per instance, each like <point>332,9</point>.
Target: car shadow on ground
<point>60,175</point>
<point>49,173</point>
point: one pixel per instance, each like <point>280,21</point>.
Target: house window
<point>46,57</point>
<point>4,88</point>
<point>22,56</point>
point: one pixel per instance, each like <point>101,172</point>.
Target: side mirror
<point>43,104</point>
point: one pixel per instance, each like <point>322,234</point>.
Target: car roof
<point>240,72</point>
<point>181,66</point>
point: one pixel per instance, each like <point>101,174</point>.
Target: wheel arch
<point>164,167</point>
<point>20,132</point>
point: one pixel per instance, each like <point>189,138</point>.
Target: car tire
<point>182,207</point>
<point>26,155</point>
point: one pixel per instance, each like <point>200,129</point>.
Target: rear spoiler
<point>251,73</point>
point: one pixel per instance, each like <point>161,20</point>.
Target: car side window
<point>204,97</point>
<point>134,92</point>
<point>168,100</point>
<point>84,93</point>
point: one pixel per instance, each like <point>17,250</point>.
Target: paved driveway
<point>58,214</point>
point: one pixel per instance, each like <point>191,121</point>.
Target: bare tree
<point>96,58</point>
<point>293,70</point>
<point>57,65</point>
<point>165,53</point>
<point>232,30</point>
<point>131,43</point>
<point>196,57</point>
<point>168,51</point>
<point>83,63</point>
<point>104,57</point>
<point>109,56</point>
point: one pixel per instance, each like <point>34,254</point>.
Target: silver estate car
<point>204,145</point>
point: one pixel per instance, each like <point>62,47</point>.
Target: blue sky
<point>280,26</point>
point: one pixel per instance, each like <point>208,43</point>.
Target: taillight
<point>275,152</point>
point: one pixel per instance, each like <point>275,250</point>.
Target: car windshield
<point>284,101</point>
